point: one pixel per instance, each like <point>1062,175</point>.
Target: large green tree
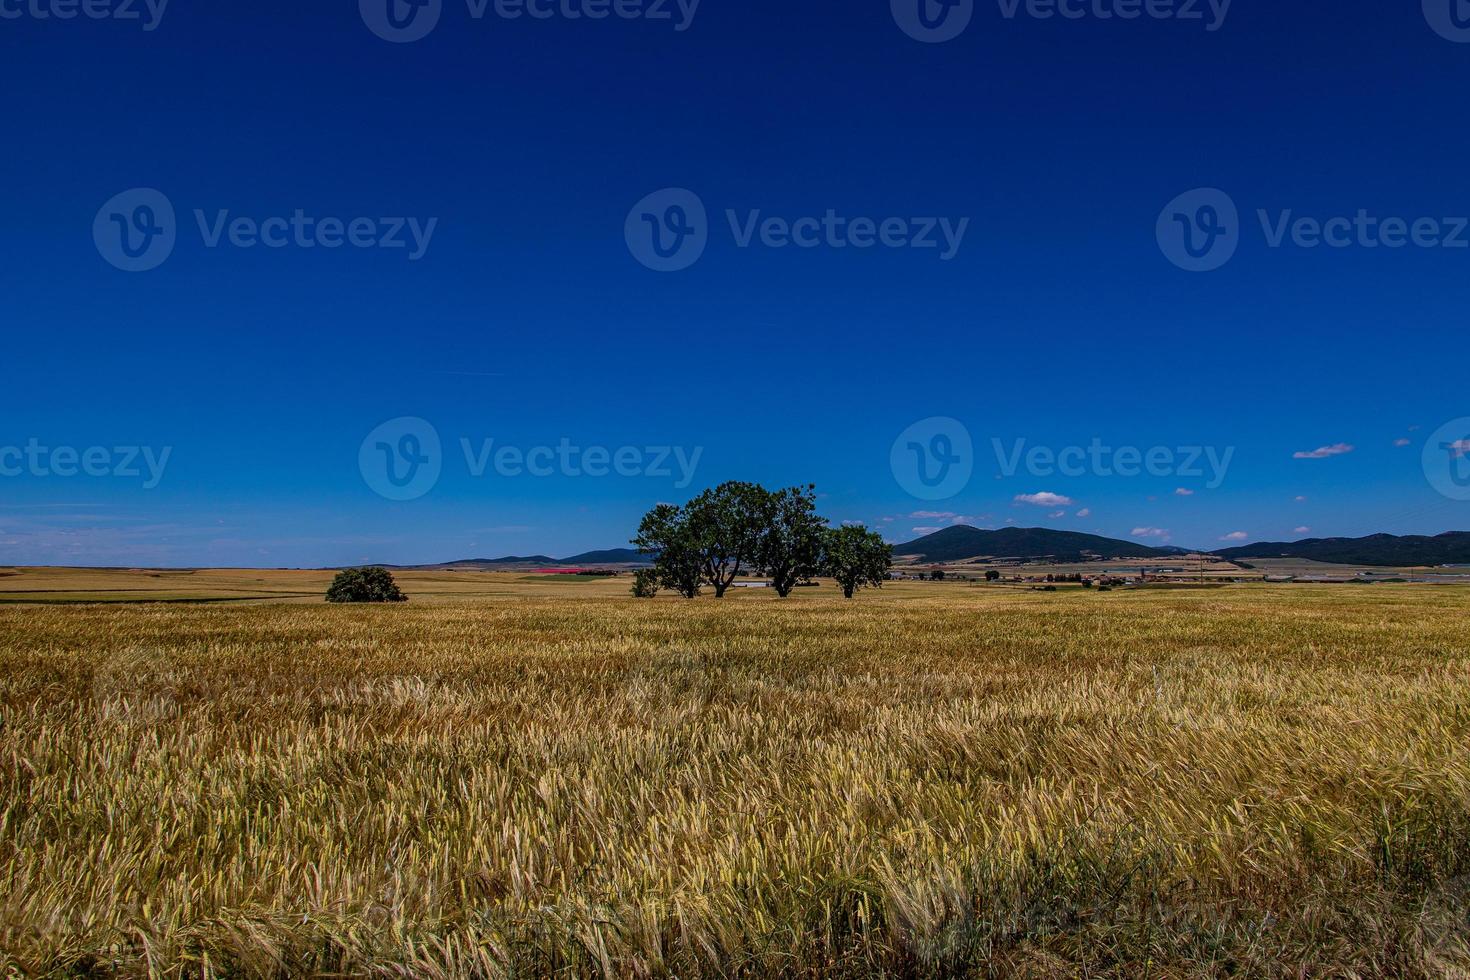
<point>664,533</point>
<point>791,545</point>
<point>856,558</point>
<point>726,526</point>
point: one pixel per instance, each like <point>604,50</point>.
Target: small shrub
<point>645,583</point>
<point>365,585</point>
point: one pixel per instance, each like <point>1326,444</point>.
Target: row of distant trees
<point>740,528</point>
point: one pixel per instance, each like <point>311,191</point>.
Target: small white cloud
<point>1300,500</point>
<point>1302,530</point>
<point>1059,513</point>
<point>1460,447</point>
<point>932,515</point>
<point>1401,443</point>
<point>1151,532</point>
<point>1044,499</point>
<point>927,530</point>
<point>1336,449</point>
<point>1184,492</point>
<point>854,523</point>
<point>1236,536</point>
<point>1085,512</point>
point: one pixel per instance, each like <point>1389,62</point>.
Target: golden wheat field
<point>528,780</point>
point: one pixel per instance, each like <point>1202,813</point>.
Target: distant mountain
<point>1451,548</point>
<point>612,556</point>
<point>962,542</point>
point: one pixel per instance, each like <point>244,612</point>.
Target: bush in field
<point>645,583</point>
<point>365,585</point>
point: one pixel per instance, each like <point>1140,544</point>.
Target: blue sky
<point>529,151</point>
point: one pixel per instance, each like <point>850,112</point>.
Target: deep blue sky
<point>528,320</point>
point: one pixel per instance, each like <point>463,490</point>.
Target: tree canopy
<point>365,585</point>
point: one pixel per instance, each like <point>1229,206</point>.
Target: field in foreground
<point>924,781</point>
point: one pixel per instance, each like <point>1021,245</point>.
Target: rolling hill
<point>611,556</point>
<point>962,542</point>
<point>1451,548</point>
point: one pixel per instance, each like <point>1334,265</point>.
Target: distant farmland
<point>521,778</point>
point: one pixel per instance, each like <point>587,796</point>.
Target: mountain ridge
<point>963,542</point>
<point>1410,550</point>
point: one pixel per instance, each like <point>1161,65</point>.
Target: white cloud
<point>1336,449</point>
<point>1401,442</point>
<point>927,530</point>
<point>1300,500</point>
<point>1183,492</point>
<point>1236,536</point>
<point>1044,499</point>
<point>1085,512</point>
<point>932,515</point>
<point>1302,530</point>
<point>1151,532</point>
<point>1059,513</point>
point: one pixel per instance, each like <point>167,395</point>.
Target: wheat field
<point>926,781</point>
